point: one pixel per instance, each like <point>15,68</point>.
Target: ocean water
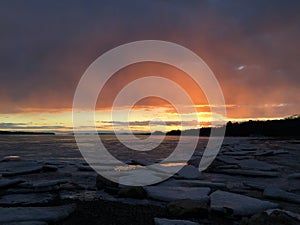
<point>64,147</point>
<point>62,151</point>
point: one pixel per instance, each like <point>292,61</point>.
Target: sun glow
<point>140,118</point>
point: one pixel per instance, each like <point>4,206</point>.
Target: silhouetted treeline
<point>288,127</point>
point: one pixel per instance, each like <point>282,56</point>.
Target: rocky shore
<point>248,183</point>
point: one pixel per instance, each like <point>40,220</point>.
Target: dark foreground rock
<point>26,199</point>
<point>275,217</point>
<point>250,173</point>
<point>188,208</point>
<point>107,212</point>
<point>41,214</point>
<point>279,194</point>
<point>6,183</point>
<point>160,221</point>
<point>23,171</point>
<point>103,183</point>
<point>27,223</point>
<point>133,192</point>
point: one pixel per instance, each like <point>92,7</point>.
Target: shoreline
<point>250,181</point>
<point>25,133</point>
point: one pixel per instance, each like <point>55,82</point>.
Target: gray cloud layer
<point>45,46</point>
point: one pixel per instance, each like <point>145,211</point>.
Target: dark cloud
<point>45,46</point>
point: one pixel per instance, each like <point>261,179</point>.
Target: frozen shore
<point>252,181</point>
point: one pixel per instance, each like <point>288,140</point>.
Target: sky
<point>252,47</point>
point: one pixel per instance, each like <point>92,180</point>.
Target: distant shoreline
<point>287,127</point>
<point>25,133</point>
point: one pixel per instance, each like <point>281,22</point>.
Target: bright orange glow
<point>143,116</point>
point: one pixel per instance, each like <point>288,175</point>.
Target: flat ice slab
<point>43,214</point>
<point>175,193</point>
<point>239,204</point>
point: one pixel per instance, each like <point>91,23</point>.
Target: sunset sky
<point>252,47</point>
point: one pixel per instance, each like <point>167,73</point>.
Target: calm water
<point>64,147</point>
